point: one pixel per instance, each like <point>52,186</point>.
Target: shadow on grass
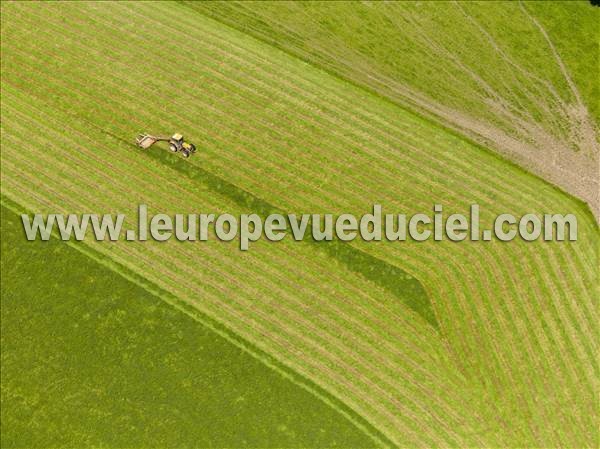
<point>396,281</point>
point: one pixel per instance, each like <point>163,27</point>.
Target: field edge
<point>271,362</point>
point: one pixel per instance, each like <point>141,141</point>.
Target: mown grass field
<point>446,345</point>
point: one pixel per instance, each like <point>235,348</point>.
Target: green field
<point>90,358</point>
<point>302,108</point>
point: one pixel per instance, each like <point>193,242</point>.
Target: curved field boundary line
<point>290,374</point>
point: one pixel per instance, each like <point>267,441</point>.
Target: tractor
<point>176,143</point>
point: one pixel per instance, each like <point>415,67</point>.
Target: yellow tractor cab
<point>175,142</point>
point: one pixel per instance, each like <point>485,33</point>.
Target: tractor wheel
<point>185,153</point>
<point>192,148</point>
<point>173,148</point>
